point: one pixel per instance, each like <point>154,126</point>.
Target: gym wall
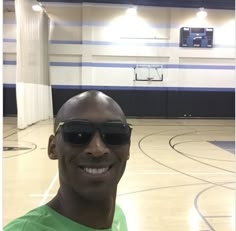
<point>96,46</point>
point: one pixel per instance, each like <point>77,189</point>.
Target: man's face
<point>92,170</point>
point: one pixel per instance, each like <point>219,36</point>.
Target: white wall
<point>107,55</point>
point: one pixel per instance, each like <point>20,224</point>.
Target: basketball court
<point>180,176</point>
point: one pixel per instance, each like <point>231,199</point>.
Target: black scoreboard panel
<point>196,37</point>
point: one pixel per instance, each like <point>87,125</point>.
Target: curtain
<point>33,90</point>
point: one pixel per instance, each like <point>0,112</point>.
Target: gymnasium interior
<point>171,67</point>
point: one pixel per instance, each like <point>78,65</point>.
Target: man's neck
<point>97,214</point>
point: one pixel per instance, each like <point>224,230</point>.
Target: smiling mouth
<point>96,171</point>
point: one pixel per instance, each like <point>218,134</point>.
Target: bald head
<point>91,105</point>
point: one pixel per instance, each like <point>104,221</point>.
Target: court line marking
<point>34,147</point>
<point>189,157</point>
<point>201,157</point>
<point>196,205</point>
<point>164,187</point>
<point>177,173</point>
<point>47,192</point>
<point>41,195</point>
<point>169,167</point>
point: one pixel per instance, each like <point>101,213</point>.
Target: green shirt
<point>46,219</point>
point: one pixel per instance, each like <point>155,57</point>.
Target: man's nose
<point>96,146</point>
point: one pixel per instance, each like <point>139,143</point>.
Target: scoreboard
<point>196,37</point>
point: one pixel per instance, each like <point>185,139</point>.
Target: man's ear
<point>52,148</point>
<point>129,150</point>
<point>128,154</point>
<point>127,158</point>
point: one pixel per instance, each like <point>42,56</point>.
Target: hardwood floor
<point>180,176</point>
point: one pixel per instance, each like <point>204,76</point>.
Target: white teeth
<point>96,170</point>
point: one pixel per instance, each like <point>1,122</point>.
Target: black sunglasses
<point>81,132</point>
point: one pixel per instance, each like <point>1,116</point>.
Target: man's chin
<point>97,194</point>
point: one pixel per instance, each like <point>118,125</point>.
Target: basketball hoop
<point>150,79</point>
<point>148,73</point>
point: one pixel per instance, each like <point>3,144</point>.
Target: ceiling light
<point>201,13</point>
<point>37,7</point>
<point>132,11</point>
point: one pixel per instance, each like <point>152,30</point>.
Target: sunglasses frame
<point>96,126</point>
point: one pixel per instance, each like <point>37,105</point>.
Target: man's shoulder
<point>46,219</point>
<point>119,221</point>
<point>30,221</point>
<point>118,211</point>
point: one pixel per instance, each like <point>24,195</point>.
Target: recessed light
<point>36,7</point>
<point>132,10</point>
<point>201,13</point>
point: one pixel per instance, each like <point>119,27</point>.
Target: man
<point>91,142</point>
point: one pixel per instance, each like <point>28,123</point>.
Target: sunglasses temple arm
<point>58,126</point>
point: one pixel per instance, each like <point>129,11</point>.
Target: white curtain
<point>33,90</point>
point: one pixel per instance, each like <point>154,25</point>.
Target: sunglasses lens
<point>81,132</point>
<point>75,132</point>
<point>116,133</point>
